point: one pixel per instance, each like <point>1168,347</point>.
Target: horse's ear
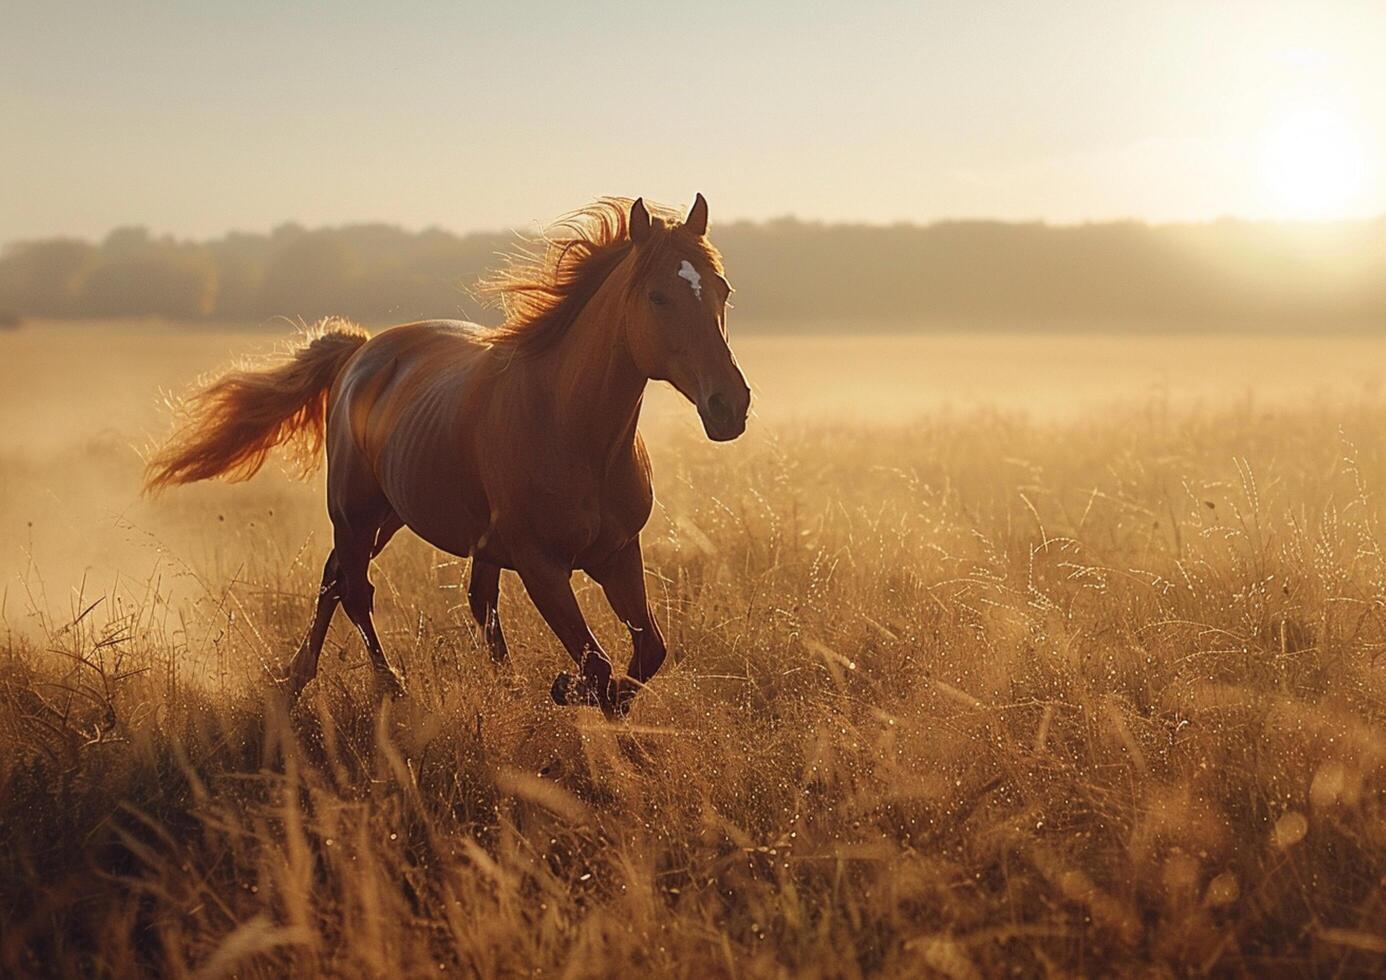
<point>696,222</point>
<point>639,221</point>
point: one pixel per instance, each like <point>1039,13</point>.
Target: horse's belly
<point>447,537</point>
<point>447,528</point>
<point>430,484</point>
<point>436,507</point>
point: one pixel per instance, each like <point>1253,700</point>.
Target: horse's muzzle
<point>724,415</point>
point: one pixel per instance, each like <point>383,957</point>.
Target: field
<point>991,655</point>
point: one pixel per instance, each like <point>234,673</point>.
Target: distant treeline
<point>785,271</point>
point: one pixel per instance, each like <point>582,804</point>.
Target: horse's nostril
<point>718,410</point>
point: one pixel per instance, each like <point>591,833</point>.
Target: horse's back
<point>377,388</point>
<point>426,344</point>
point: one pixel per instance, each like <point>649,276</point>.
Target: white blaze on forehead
<point>695,281</point>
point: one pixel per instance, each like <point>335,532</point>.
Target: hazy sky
<point>196,118</point>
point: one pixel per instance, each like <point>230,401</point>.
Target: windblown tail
<point>229,427</point>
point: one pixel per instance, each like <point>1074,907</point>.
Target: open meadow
<point>990,655</point>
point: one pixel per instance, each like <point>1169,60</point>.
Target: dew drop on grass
<point>1290,829</point>
<point>1224,889</point>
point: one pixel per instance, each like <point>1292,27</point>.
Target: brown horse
<point>516,445</point>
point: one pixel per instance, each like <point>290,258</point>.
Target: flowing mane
<point>544,283</point>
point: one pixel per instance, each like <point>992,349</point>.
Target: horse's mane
<point>544,283</point>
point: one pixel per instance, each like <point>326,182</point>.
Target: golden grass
<point>963,696</point>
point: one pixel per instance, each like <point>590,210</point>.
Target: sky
<point>198,118</point>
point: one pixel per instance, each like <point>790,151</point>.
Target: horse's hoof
<point>562,685</point>
<point>626,690</point>
<point>573,692</point>
<point>391,682</point>
<point>289,683</point>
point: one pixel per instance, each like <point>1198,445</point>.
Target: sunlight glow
<point>1312,162</point>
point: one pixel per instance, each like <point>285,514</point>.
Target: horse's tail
<point>229,426</point>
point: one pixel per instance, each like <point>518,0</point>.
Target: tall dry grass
<point>966,697</point>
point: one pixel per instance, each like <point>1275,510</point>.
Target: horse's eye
<point>659,299</point>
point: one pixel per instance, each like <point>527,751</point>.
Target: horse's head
<point>676,323</point>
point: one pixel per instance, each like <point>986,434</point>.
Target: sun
<point>1312,162</point>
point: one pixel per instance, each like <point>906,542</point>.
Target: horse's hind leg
<point>304,667</point>
<point>362,523</point>
<point>483,595</point>
<point>354,550</point>
<point>385,532</point>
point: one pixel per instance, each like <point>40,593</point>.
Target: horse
<point>515,445</point>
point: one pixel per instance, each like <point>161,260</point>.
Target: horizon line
<point>537,229</point>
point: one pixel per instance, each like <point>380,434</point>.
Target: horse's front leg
<point>622,578</point>
<point>549,584</point>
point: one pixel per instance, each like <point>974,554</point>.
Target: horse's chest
<point>577,513</point>
<point>580,524</point>
<point>623,511</point>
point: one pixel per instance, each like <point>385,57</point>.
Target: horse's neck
<point>596,387</point>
